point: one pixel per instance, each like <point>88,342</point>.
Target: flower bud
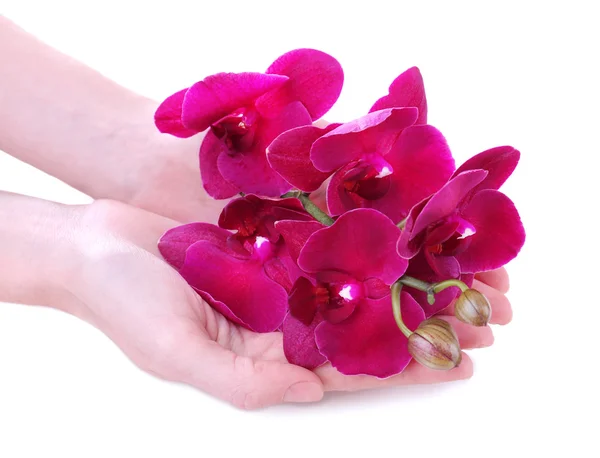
<point>473,308</point>
<point>434,345</point>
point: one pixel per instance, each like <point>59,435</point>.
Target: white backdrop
<point>522,73</point>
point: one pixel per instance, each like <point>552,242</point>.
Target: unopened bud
<point>434,345</point>
<point>472,307</point>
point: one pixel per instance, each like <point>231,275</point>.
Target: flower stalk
<point>441,286</point>
<point>310,207</point>
<point>434,343</point>
<point>396,290</point>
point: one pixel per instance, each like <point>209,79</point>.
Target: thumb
<point>245,382</point>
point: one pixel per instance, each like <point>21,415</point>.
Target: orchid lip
<point>263,249</point>
<point>237,128</point>
<point>349,292</point>
<point>381,166</point>
<point>341,301</point>
<point>385,171</point>
<point>465,229</point>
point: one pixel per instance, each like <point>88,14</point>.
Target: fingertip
<point>464,370</point>
<point>303,392</point>
<point>497,279</point>
<point>470,336</point>
<point>501,309</point>
<point>418,374</point>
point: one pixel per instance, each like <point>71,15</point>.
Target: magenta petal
<point>444,203</point>
<point>445,266</point>
<point>372,133</point>
<point>315,80</point>
<point>250,170</point>
<point>240,284</point>
<point>500,233</point>
<point>407,90</point>
<point>500,162</point>
<point>369,342</point>
<point>175,242</point>
<point>215,96</point>
<point>339,199</point>
<point>221,308</point>
<point>251,173</point>
<point>409,244</point>
<point>168,116</point>
<point>375,288</point>
<point>255,216</point>
<point>361,243</point>
<point>215,185</point>
<point>299,343</point>
<point>277,271</point>
<point>422,164</point>
<point>296,233</point>
<point>289,155</point>
<point>302,300</point>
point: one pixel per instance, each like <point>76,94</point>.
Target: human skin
<point>100,262</point>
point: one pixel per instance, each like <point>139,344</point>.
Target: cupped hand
<point>124,288</point>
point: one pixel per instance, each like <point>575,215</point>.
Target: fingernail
<point>304,392</point>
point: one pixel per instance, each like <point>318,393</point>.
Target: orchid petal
<point>256,300</point>
<point>407,90</point>
<point>500,234</point>
<point>373,133</point>
<point>218,95</point>
<point>168,116</point>
<point>369,342</point>
<point>299,343</point>
<point>214,184</point>
<point>289,155</point>
<point>361,243</point>
<point>315,80</point>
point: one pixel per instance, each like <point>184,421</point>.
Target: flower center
<point>262,249</point>
<point>335,301</point>
<point>369,178</point>
<point>451,237</point>
<point>237,129</point>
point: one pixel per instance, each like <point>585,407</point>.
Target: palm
<point>166,328</point>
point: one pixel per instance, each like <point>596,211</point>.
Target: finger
<point>497,279</point>
<point>414,374</point>
<point>501,309</point>
<point>470,336</point>
<point>245,382</point>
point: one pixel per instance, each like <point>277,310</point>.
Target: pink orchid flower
<point>467,226</point>
<point>245,275</point>
<point>245,112</point>
<point>341,310</point>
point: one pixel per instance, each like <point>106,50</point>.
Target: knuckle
<point>245,395</point>
<point>245,399</point>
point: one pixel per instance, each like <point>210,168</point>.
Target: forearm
<point>38,250</point>
<point>68,120</point>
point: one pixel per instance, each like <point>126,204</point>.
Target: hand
<point>163,326</point>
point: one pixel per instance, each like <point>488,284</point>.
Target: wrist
<point>168,180</point>
<point>39,251</point>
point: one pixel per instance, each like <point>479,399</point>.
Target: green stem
<point>290,194</point>
<point>416,283</point>
<point>396,290</point>
<point>315,211</point>
<point>441,286</point>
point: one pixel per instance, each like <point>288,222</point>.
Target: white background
<point>520,73</point>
